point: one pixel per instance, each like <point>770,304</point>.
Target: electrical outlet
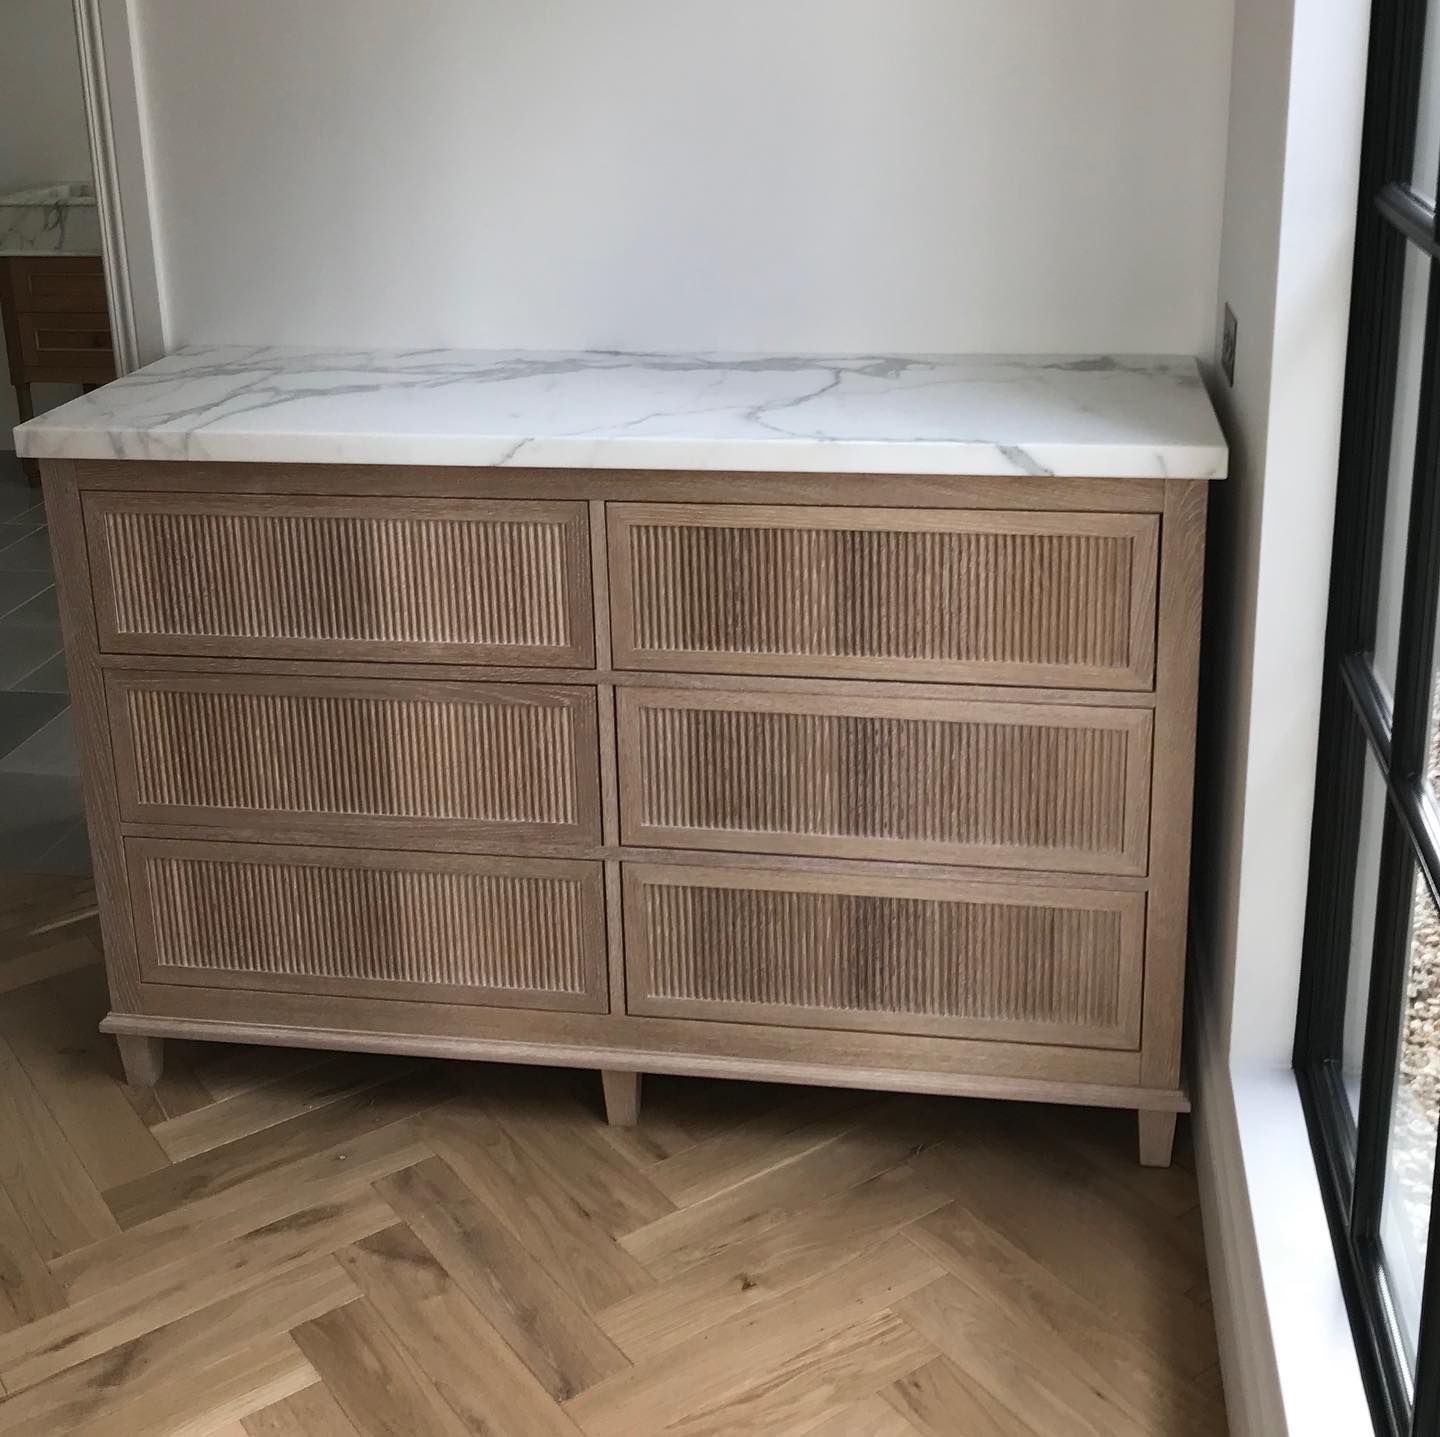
<point>1227,347</point>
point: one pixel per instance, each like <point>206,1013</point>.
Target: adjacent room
<point>719,719</point>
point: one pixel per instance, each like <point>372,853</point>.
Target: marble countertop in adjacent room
<point>1076,416</point>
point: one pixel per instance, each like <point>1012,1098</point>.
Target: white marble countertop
<point>1076,416</point>
<point>60,219</point>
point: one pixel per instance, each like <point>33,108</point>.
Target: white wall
<point>43,136</point>
<point>1286,258</point>
<point>823,174</point>
<point>1285,268</point>
<point>42,115</point>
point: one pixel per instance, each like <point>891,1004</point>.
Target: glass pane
<point>1431,768</point>
<point>1427,126</point>
<point>1410,1154</point>
<point>1362,930</point>
<point>1402,463</point>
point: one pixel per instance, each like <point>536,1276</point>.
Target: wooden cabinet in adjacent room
<point>56,320</point>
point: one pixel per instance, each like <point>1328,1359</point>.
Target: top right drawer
<point>1062,600</point>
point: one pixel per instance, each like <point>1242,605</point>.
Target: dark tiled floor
<point>41,825</point>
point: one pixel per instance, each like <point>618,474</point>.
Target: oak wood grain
<point>789,1261</point>
<point>1057,965</point>
<point>902,699</point>
<point>371,578</point>
<point>1049,599</point>
<point>1003,785</point>
<point>388,765</point>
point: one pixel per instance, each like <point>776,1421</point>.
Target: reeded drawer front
<point>355,922</point>
<point>1039,786</point>
<point>937,957</point>
<point>313,758</point>
<point>473,581</point>
<point>996,597</point>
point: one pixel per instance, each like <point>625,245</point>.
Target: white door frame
<point>106,34</point>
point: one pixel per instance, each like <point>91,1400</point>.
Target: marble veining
<point>53,219</point>
<point>1076,416</point>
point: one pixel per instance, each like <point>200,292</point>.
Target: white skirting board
<point>1285,1345</point>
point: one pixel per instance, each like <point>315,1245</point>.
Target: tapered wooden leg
<point>142,1058</point>
<point>25,408</point>
<point>1157,1139</point>
<point>622,1098</point>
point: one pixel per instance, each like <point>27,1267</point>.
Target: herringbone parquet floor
<point>288,1244</point>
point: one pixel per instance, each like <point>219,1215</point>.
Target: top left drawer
<point>438,580</point>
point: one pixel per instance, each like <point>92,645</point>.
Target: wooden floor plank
<point>226,1070</point>
<point>1130,1269</point>
<point>937,1400</point>
<point>793,1394</point>
<point>661,1134</point>
<point>239,1383</point>
<point>28,1291</point>
<point>565,1142</point>
<point>700,1230</point>
<point>746,1274</point>
<point>1137,1373</point>
<point>180,1351</point>
<point>764,1142</point>
<point>272,1150</point>
<point>555,1224</point>
<point>783,1350</point>
<point>679,1113</point>
<point>556,1339</point>
<point>179,1090</point>
<point>312,1412</point>
<point>41,1171</point>
<point>482,1377</point>
<point>872,1417</point>
<point>33,965</point>
<point>53,1029</point>
<point>1105,1139</point>
<point>326,1176</point>
<point>372,1376</point>
<point>1015,1366</point>
<point>119,1314</point>
<point>36,906</point>
<point>247,1113</point>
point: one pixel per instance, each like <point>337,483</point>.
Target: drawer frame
<point>1134,723</point>
<point>80,290</point>
<point>640,960</point>
<point>572,518</point>
<point>593,999</point>
<point>378,830</point>
<point>96,358</point>
<point>1141,530</point>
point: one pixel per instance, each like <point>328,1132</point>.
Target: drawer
<point>387,764</point>
<point>937,957</point>
<point>1040,786</point>
<point>79,342</point>
<point>460,581</point>
<point>58,282</point>
<point>523,933</point>
<point>969,597</point>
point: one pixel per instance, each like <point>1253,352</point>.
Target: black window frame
<point>1357,718</point>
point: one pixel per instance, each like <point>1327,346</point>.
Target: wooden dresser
<point>859,779</point>
<point>57,325</point>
